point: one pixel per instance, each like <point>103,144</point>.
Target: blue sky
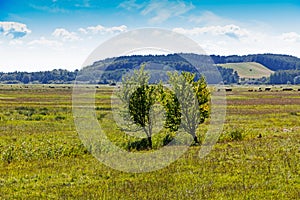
<point>46,34</point>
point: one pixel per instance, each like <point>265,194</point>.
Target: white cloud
<point>14,29</point>
<point>210,18</point>
<point>52,9</point>
<point>290,37</point>
<point>83,31</point>
<point>102,30</point>
<point>164,9</point>
<point>16,42</point>
<point>231,31</point>
<point>45,42</point>
<point>251,41</point>
<point>158,10</point>
<point>65,35</point>
<point>131,5</point>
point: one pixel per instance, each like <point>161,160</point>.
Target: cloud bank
<point>14,29</point>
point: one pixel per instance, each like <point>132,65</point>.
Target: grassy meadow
<point>41,156</point>
<point>249,69</point>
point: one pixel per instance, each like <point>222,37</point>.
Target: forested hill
<point>274,62</point>
<point>112,69</point>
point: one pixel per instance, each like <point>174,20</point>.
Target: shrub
<point>44,111</point>
<point>60,118</point>
<point>294,113</point>
<point>27,111</point>
<point>142,144</point>
<point>167,139</point>
<point>236,135</point>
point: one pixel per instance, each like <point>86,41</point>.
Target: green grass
<point>249,69</point>
<point>42,157</point>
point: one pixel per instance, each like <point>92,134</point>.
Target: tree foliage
<point>284,77</point>
<point>139,98</point>
<point>188,106</point>
<point>58,76</point>
<point>172,107</point>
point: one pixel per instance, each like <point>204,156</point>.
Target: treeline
<point>57,76</point>
<point>97,77</point>
<point>285,77</point>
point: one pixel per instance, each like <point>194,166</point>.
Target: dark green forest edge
<point>109,71</point>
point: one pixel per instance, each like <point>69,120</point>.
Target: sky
<point>38,35</point>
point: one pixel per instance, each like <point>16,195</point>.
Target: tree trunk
<point>150,142</point>
<point>196,139</point>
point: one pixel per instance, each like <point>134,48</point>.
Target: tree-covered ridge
<point>112,69</point>
<point>274,62</point>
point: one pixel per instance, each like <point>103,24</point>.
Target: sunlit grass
<point>41,156</point>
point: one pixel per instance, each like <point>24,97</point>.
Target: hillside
<point>249,69</point>
<point>286,68</point>
<point>274,62</point>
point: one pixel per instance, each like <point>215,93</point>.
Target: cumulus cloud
<point>65,35</point>
<point>101,29</point>
<point>231,30</point>
<point>14,29</point>
<point>290,37</point>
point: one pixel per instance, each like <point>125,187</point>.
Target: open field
<point>249,69</point>
<point>41,156</point>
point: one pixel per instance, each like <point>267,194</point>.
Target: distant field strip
<point>249,69</point>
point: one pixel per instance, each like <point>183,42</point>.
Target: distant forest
<point>286,68</point>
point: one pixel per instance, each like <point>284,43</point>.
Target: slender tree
<point>139,97</point>
<point>190,98</point>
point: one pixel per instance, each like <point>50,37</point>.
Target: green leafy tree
<point>26,79</point>
<point>191,98</point>
<point>138,98</point>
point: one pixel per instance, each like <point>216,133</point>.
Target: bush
<point>236,135</point>
<point>294,113</point>
<point>26,111</point>
<point>60,118</point>
<point>36,118</point>
<point>44,111</point>
<point>142,144</point>
<point>167,139</point>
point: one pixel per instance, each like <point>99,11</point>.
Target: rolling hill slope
<point>249,69</point>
